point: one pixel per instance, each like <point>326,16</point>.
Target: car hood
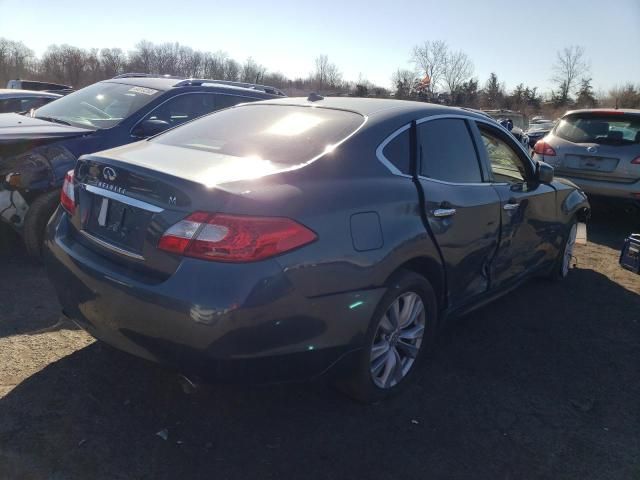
<point>20,127</point>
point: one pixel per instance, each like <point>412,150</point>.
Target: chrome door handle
<point>511,206</point>
<point>444,212</point>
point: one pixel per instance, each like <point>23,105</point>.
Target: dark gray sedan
<point>284,239</point>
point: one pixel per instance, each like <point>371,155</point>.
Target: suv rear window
<point>615,129</point>
<point>280,134</point>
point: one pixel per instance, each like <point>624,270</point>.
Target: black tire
<point>358,382</point>
<point>40,210</point>
<point>557,272</point>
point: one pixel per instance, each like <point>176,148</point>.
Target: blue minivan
<point>36,150</point>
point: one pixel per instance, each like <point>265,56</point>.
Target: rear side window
<point>447,152</point>
<point>184,107</point>
<point>616,129</point>
<point>262,134</point>
<point>398,152</point>
<point>226,101</point>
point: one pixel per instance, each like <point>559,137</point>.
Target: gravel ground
<point>544,383</point>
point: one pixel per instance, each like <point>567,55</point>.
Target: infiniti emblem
<point>592,149</point>
<point>109,174</point>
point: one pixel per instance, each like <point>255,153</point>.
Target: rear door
<point>462,210</point>
<point>529,228</point>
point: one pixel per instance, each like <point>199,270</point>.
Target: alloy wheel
<point>397,340</point>
<point>568,250</point>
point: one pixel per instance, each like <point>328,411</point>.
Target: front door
<point>462,210</point>
<point>528,208</point>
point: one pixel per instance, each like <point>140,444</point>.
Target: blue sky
<point>518,40</point>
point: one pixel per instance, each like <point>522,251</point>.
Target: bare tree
<point>570,65</point>
<point>276,79</point>
<point>142,59</point>
<point>74,61</point>
<point>113,61</point>
<point>15,59</point>
<point>231,70</point>
<point>430,59</point>
<point>320,73</point>
<point>404,82</point>
<point>190,62</point>
<point>325,74</point>
<point>458,68</point>
<point>334,76</point>
<point>626,96</point>
<point>252,72</point>
<point>93,66</point>
<point>214,65</point>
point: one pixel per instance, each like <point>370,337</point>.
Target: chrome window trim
<point>123,198</point>
<point>395,171</point>
<point>180,95</point>
<point>108,246</point>
<point>472,184</point>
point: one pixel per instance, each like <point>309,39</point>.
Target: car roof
<point>16,92</point>
<point>374,107</point>
<point>157,83</point>
<point>165,83</point>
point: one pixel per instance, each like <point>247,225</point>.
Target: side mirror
<point>148,128</point>
<point>545,172</point>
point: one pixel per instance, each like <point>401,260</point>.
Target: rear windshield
<point>617,129</point>
<point>280,134</point>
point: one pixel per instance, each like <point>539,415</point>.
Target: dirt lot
<point>545,383</point>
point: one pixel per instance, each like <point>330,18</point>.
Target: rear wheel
<point>36,220</point>
<point>400,335</point>
<point>565,255</point>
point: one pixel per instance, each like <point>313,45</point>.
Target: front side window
<point>506,165</point>
<point>263,136</point>
<point>98,106</point>
<point>447,152</point>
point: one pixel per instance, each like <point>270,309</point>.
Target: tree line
<point>439,74</point>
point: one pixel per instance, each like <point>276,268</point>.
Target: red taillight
<point>543,148</point>
<point>636,161</point>
<point>234,238</point>
<point>67,195</point>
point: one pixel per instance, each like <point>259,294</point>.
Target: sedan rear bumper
<point>246,323</point>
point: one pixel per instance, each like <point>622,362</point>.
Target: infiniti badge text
<point>109,186</point>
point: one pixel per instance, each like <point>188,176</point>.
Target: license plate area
<point>586,162</point>
<point>117,223</point>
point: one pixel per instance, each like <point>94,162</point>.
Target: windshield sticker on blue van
<point>143,90</point>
